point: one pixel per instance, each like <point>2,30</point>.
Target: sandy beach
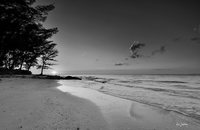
<point>41,104</point>
<point>35,104</point>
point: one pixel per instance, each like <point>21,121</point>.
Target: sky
<point>96,36</point>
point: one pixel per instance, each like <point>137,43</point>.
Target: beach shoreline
<point>168,92</point>
<point>127,114</point>
<point>40,104</point>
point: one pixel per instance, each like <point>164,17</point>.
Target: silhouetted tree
<point>30,62</point>
<point>49,53</point>
<point>22,34</point>
<point>13,16</point>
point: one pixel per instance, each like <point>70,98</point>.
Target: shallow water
<point>124,114</point>
<point>180,93</point>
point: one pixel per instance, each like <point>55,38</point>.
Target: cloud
<point>120,64</point>
<point>195,38</point>
<point>134,49</point>
<point>161,50</point>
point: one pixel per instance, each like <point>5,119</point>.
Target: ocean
<point>178,93</point>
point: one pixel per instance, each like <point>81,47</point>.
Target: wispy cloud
<point>120,64</point>
<point>134,49</point>
<point>195,38</point>
<point>161,50</point>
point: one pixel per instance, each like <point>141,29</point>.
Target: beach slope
<point>36,104</point>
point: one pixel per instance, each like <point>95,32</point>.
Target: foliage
<point>47,56</point>
<point>22,35</point>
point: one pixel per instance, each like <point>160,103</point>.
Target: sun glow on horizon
<point>54,72</point>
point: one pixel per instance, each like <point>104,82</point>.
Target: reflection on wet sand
<point>124,114</point>
<point>155,118</point>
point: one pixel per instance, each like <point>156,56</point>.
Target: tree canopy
<point>23,36</point>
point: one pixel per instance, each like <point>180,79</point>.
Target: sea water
<point>179,93</point>
<point>165,101</point>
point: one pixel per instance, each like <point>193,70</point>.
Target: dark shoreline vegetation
<point>53,77</point>
<point>24,41</point>
<point>6,73</point>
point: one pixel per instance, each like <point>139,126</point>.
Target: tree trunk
<point>28,67</point>
<point>42,69</point>
<point>21,65</point>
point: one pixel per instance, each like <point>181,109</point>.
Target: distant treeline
<point>24,41</point>
<point>4,71</point>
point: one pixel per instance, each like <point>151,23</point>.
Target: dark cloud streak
<point>195,38</point>
<point>121,64</point>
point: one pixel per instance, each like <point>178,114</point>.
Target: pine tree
<point>47,58</point>
<point>22,34</point>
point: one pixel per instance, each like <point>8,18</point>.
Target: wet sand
<point>122,114</point>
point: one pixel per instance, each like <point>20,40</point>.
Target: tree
<point>22,34</point>
<point>49,53</point>
<point>30,60</point>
